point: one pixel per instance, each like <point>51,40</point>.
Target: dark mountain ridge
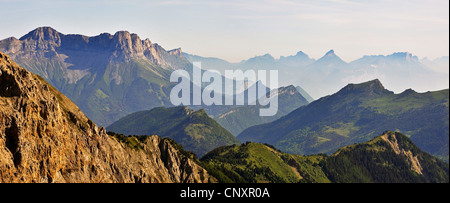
<point>356,114</point>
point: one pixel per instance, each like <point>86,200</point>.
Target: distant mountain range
<point>357,113</point>
<point>324,76</point>
<point>389,158</point>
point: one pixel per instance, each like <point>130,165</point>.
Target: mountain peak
<point>330,53</point>
<point>147,42</point>
<point>122,37</point>
<point>263,57</point>
<point>122,32</point>
<point>371,87</point>
<point>122,45</point>
<point>42,38</point>
<point>300,53</point>
<point>176,52</point>
<point>330,59</point>
<point>42,33</point>
<point>183,110</point>
<point>404,56</point>
<point>299,59</point>
<point>408,92</point>
<point>261,61</point>
<point>289,90</point>
<point>267,55</point>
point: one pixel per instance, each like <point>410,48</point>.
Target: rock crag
<point>44,137</point>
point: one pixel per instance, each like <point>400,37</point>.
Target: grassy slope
<point>258,163</point>
<point>353,117</point>
<point>372,161</point>
<point>195,130</point>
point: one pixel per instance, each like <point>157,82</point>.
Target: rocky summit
<point>107,76</point>
<point>44,137</point>
<point>120,46</point>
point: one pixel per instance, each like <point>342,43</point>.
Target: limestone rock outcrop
<point>44,137</point>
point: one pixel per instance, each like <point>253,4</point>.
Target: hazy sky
<point>236,29</point>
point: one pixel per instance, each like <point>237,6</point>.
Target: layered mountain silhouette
<point>327,64</point>
<point>357,113</point>
<point>324,76</point>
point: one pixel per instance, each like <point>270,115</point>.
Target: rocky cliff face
<point>44,137</point>
<point>120,46</point>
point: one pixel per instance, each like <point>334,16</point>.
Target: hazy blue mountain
<point>321,77</point>
<point>328,63</point>
<point>297,60</point>
<point>357,113</point>
<point>440,65</point>
<point>210,63</point>
<point>400,71</point>
<point>397,71</point>
<point>401,61</point>
<point>259,62</point>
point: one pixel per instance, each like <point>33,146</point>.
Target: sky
<point>236,30</point>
